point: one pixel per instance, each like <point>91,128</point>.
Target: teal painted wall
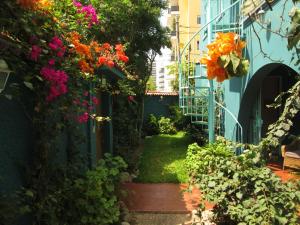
<point>15,144</point>
<point>244,90</point>
<point>159,105</point>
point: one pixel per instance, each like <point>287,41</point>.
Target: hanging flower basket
<point>224,58</point>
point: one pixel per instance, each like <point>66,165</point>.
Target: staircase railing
<point>197,94</point>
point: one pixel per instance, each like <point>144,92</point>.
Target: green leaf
<point>235,60</point>
<point>211,184</point>
<point>9,97</point>
<point>239,195</point>
<point>224,60</point>
<point>28,85</point>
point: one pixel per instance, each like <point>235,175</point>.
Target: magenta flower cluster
<point>35,53</point>
<point>58,82</point>
<point>88,107</point>
<point>89,12</point>
<point>57,78</point>
<point>57,45</point>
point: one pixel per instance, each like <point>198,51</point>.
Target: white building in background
<point>163,79</point>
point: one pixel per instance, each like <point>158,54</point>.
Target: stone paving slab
<point>161,219</point>
<point>161,198</point>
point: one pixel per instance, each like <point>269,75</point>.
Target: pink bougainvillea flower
<point>61,52</point>
<point>95,100</point>
<point>89,12</point>
<point>57,80</point>
<point>83,118</point>
<point>35,52</point>
<point>86,93</point>
<point>56,43</point>
<point>85,103</point>
<point>77,4</point>
<point>76,101</point>
<point>51,62</point>
<point>130,98</point>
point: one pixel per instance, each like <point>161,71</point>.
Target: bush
<point>243,190</point>
<point>180,121</point>
<point>197,134</point>
<point>90,199</point>
<point>166,126</point>
<point>151,126</point>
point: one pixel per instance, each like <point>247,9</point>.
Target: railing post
<point>211,113</point>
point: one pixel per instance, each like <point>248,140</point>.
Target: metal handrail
<point>233,117</point>
<point>217,18</point>
<point>206,25</point>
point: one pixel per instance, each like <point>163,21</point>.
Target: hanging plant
<point>224,58</point>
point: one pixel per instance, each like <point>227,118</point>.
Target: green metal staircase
<point>197,94</point>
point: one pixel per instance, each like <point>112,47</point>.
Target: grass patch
<point>163,159</point>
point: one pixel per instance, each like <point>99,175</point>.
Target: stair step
<point>200,122</point>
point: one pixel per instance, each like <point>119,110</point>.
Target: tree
<point>151,86</point>
<point>135,22</point>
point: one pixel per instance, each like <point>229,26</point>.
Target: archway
<point>255,115</point>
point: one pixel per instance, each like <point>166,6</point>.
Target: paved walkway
<point>161,198</point>
<point>285,175</point>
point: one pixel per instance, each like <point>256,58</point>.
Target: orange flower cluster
<point>34,4</point>
<point>95,55</point>
<point>224,44</point>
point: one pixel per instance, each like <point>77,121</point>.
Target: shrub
<point>151,126</point>
<point>90,199</point>
<point>166,126</point>
<point>197,134</point>
<point>180,121</point>
<point>243,190</point>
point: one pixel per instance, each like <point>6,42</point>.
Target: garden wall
<point>157,103</point>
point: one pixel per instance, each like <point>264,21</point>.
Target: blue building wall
<point>240,93</point>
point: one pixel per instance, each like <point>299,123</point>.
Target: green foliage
<point>90,199</point>
<point>8,209</point>
<point>180,121</point>
<point>197,134</point>
<point>234,65</point>
<point>151,86</point>
<point>166,126</point>
<point>294,32</point>
<point>125,135</point>
<point>151,126</point>
<point>243,190</point>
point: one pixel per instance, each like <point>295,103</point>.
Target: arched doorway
<point>266,84</point>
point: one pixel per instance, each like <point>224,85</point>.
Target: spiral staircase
<point>200,98</point>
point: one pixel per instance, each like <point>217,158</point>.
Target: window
<point>198,45</point>
<point>198,19</point>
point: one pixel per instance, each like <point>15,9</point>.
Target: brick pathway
<point>172,198</point>
<point>285,175</point>
<point>161,198</point>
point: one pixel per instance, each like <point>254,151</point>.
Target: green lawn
<point>163,159</point>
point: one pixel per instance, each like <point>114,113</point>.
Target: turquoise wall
<point>240,93</point>
<point>15,144</point>
<point>159,105</point>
